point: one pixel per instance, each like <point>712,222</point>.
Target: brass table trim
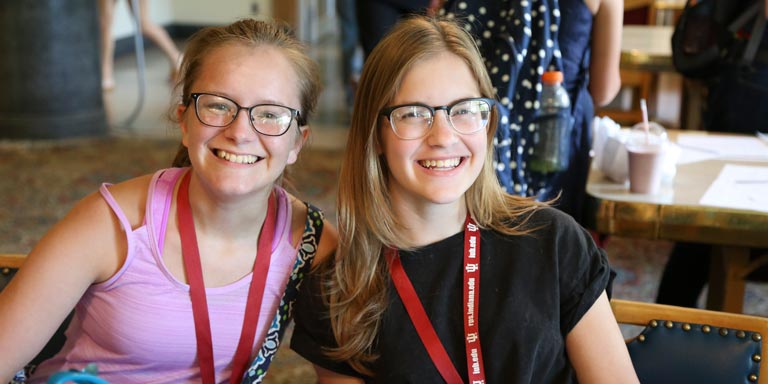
<point>679,223</point>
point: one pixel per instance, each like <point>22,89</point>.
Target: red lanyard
<point>424,327</point>
<point>194,270</point>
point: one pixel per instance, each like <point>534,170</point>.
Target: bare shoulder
<point>328,240</point>
<point>131,196</point>
<point>93,211</point>
<point>91,234</point>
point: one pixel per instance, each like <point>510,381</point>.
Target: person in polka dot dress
<point>519,41</point>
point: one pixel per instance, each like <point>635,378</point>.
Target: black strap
<point>755,11</point>
<point>757,33</point>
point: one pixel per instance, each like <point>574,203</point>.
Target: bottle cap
<point>552,77</point>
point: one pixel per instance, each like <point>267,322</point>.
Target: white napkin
<point>608,141</point>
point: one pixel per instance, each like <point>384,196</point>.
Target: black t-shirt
<point>533,290</point>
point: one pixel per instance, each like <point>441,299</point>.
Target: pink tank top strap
<point>159,203</point>
<point>104,190</point>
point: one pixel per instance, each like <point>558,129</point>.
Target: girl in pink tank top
<point>187,275</point>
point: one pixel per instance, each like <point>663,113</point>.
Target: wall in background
<point>190,12</point>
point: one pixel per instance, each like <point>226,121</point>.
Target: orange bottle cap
<point>552,77</point>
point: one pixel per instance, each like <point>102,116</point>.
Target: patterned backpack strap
<point>307,250</point>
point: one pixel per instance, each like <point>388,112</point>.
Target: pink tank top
<point>138,327</point>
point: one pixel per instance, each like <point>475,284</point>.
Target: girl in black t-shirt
<point>440,276</point>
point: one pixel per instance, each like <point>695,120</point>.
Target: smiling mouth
<point>233,158</point>
<point>441,164</point>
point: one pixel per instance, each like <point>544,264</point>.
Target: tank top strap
<point>104,191</point>
<point>159,200</point>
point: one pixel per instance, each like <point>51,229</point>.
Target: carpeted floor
<point>42,180</point>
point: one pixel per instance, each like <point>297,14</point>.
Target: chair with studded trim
<point>688,345</point>
<point>9,264</point>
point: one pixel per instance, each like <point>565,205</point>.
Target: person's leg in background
<point>150,29</point>
<point>685,274</point>
<point>106,13</point>
<point>160,37</point>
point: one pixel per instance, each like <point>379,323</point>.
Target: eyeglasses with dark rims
<point>266,119</point>
<point>413,121</point>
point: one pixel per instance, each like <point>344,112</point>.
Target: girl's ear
<point>180,109</point>
<point>301,138</point>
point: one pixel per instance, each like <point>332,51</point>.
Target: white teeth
<point>448,163</point>
<point>240,159</point>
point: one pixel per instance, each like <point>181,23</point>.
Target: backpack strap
<point>757,11</point>
<point>313,229</point>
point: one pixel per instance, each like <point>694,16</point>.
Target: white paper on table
<point>739,187</point>
<point>725,147</point>
<point>693,155</point>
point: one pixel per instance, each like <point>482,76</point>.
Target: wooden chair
<point>639,84</point>
<point>11,260</point>
<point>688,345</point>
<point>9,263</point>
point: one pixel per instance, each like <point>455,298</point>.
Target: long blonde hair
<point>357,284</point>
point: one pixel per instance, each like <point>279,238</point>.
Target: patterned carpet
<point>42,180</point>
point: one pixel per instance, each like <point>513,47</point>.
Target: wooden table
<point>647,48</point>
<point>675,214</point>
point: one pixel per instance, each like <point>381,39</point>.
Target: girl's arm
<point>87,246</point>
<point>604,78</point>
<point>596,347</point>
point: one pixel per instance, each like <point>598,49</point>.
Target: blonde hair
<point>357,285</point>
<point>253,34</point>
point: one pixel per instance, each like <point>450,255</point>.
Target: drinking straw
<point>646,126</point>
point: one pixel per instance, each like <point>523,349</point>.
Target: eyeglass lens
<point>414,121</point>
<point>218,111</point>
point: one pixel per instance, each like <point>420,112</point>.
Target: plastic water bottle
<point>554,123</point>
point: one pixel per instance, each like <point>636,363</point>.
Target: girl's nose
<point>241,129</point>
<point>442,132</point>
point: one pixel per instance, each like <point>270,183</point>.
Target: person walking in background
<point>186,274</point>
<point>522,40</point>
<point>500,288</point>
<point>149,28</point>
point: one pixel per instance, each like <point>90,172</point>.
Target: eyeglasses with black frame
<point>413,121</point>
<point>266,119</point>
